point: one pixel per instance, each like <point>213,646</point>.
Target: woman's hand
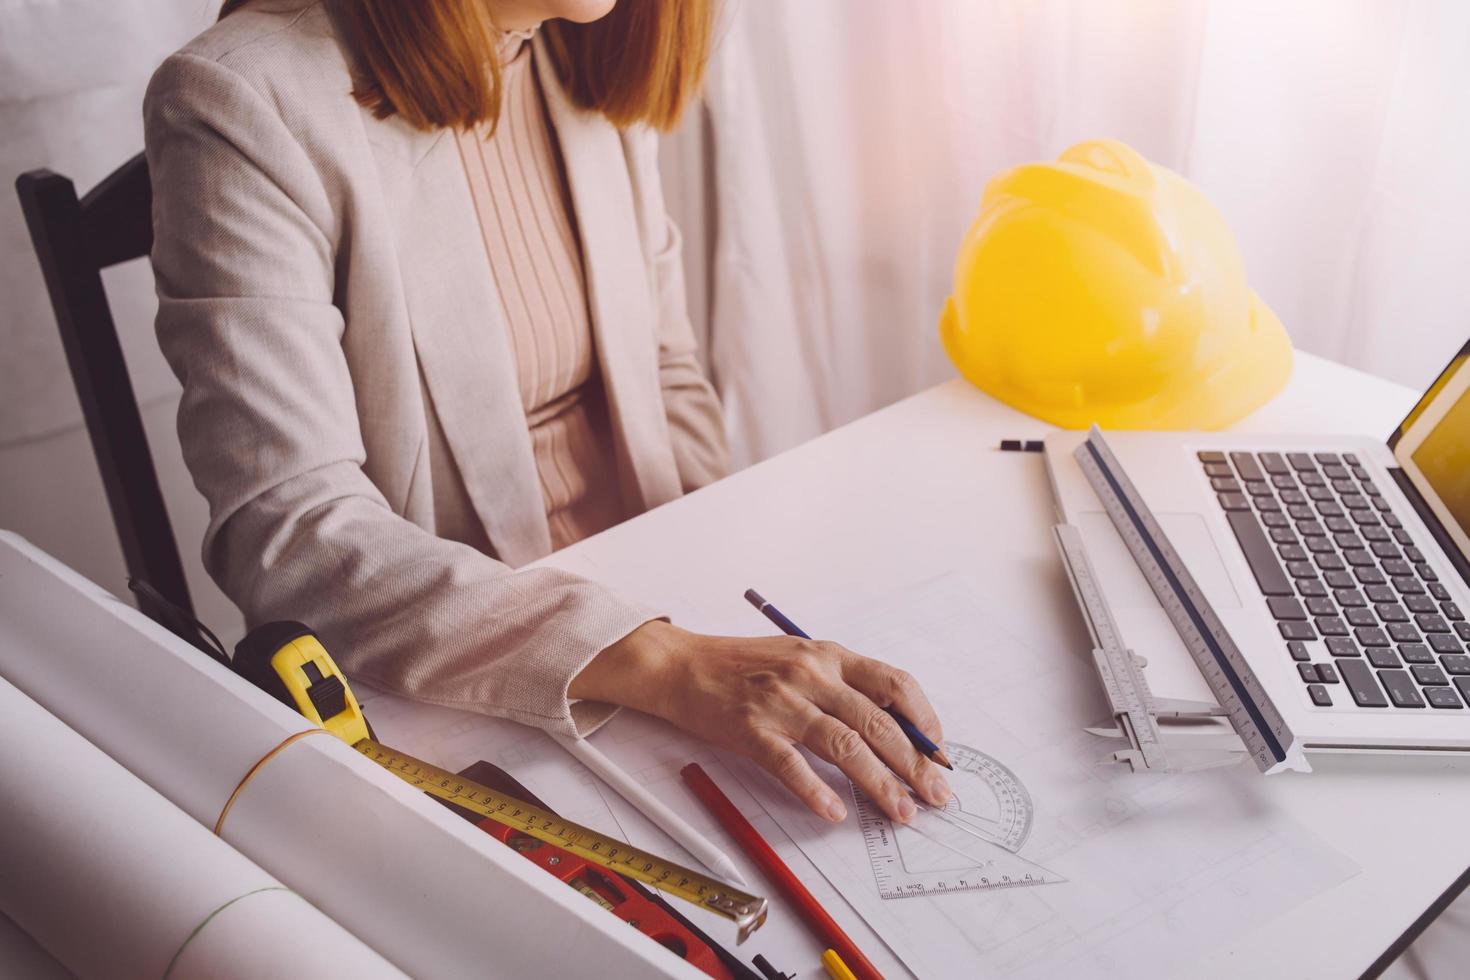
<point>763,696</point>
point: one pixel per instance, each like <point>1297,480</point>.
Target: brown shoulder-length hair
<point>433,63</point>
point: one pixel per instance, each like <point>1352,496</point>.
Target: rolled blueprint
<point>113,880</point>
<point>426,889</point>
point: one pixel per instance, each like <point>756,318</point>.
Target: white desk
<point>919,485</point>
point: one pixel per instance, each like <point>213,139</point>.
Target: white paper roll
<point>115,881</point>
<point>437,896</point>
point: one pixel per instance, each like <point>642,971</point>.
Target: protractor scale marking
<point>971,844</point>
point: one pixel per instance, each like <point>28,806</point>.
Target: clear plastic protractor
<point>988,797</point>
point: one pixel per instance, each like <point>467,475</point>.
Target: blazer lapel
<point>620,299</point>
<point>459,335</point>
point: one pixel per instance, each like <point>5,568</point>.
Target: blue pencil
<point>920,741</point>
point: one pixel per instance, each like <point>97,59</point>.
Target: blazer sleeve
<point>246,234</point>
<point>696,421</point>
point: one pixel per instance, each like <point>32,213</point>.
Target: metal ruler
<point>1252,714</point>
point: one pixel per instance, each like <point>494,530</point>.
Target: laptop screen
<point>1433,447</point>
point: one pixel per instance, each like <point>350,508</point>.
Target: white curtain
<point>845,144</point>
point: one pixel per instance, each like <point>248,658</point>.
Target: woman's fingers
<point>857,712</point>
<point>846,749</point>
<point>782,759</point>
<point>889,687</point>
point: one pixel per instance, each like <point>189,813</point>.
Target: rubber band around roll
<point>259,765</point>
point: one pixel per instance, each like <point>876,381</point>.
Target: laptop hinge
<point>1431,521</point>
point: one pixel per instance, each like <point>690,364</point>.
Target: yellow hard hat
<point>1103,288</point>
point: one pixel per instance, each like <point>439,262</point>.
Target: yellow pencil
<point>836,969</point>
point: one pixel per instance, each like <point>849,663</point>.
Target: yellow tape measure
<point>290,663</point>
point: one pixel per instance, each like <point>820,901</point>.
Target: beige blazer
<point>349,406</point>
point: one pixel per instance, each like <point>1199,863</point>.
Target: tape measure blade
<point>747,911</point>
<point>1250,710</point>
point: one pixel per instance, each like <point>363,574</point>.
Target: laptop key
<point>1431,623</point>
<point>1283,535</point>
<point>1371,636</point>
<point>1404,633</point>
<point>1225,484</point>
<point>1420,603</point>
<point>1327,674</point>
<point>1335,471</point>
<point>1317,546</point>
<point>1347,539</point>
<point>1341,646</point>
<point>1320,493</point>
<point>1416,653</point>
<point>1355,501</point>
<point>1308,672</point>
<point>1438,590</point>
<point>1370,576</point>
<point>1213,470</point>
<point>1331,562</point>
<point>1426,573</point>
<point>1329,508</point>
<point>1444,643</point>
<point>1376,533</point>
<point>1301,512</point>
<point>1328,459</point>
<point>1311,529</point>
<point>1401,688</point>
<point>1403,537</point>
<point>1383,657</point>
<point>1384,549</point>
<point>1361,684</point>
<point>1340,580</point>
<point>1257,488</point>
<point>1412,553</point>
<point>1442,697</point>
<point>1267,505</point>
<point>1298,651</point>
<point>1292,496</point>
<point>1296,631</point>
<point>1397,568</point>
<point>1300,462</point>
<point>1292,552</point>
<point>1208,456</point>
<point>1392,520</point>
<point>1338,524</point>
<point>1312,479</point>
<point>1364,517</point>
<point>1452,611</point>
<point>1234,501</point>
<point>1362,617</point>
<point>1381,504</point>
<point>1391,612</point>
<point>1264,566</point>
<point>1345,486</point>
<point>1274,464</point>
<point>1332,626</point>
<point>1380,593</point>
<point>1358,558</point>
<point>1286,607</point>
<point>1319,695</point>
<point>1350,458</point>
<point>1300,569</point>
<point>1408,585</point>
<point>1275,520</point>
<point>1347,598</point>
<point>1457,664</point>
<point>1284,481</point>
<point>1462,629</point>
<point>1429,675</point>
<point>1360,474</point>
<point>1247,467</point>
<point>1310,587</point>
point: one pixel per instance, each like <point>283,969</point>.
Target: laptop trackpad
<point>1125,585</point>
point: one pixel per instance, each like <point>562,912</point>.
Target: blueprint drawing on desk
<point>1047,863</point>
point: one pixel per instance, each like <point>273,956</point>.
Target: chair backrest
<point>74,241</point>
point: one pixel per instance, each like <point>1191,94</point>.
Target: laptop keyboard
<point>1362,615</point>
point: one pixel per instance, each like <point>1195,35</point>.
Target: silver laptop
<point>1338,565</point>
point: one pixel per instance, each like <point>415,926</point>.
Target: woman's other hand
<point>763,696</point>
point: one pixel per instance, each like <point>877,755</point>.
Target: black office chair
<point>74,241</point>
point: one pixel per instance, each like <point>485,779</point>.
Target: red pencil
<point>755,847</point>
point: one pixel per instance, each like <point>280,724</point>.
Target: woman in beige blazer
<point>333,299</point>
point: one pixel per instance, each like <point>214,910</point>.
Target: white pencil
<point>654,809</point>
